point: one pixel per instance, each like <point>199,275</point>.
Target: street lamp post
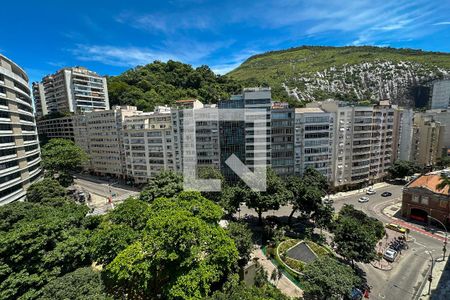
<point>430,277</point>
<point>444,249</point>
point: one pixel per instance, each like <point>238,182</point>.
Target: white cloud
<point>119,56</point>
<point>442,23</point>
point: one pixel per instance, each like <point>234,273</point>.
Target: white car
<point>390,255</point>
<point>363,199</point>
<point>370,192</point>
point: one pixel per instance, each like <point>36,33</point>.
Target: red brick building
<point>421,199</point>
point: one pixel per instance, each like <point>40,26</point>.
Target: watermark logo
<point>201,124</point>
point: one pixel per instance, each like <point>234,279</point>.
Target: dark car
<point>386,194</point>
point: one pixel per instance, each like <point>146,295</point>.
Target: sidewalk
<point>440,286</point>
<point>286,286</point>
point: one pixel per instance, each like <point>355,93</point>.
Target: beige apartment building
<point>56,128</point>
<point>149,145</point>
<point>364,141</point>
<point>431,136</point>
<point>100,134</point>
<point>20,158</point>
<point>75,89</point>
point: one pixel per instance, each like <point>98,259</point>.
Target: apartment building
<point>313,141</point>
<point>75,89</point>
<point>364,140</point>
<point>282,138</point>
<point>421,198</point>
<point>56,128</point>
<point>20,158</point>
<point>249,139</point>
<point>405,132</point>
<point>104,143</point>
<point>440,95</point>
<point>148,140</point>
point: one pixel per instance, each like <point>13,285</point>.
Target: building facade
<point>62,128</point>
<point>282,138</point>
<point>314,132</point>
<point>440,96</point>
<point>364,141</point>
<point>100,134</point>
<point>73,90</point>
<point>421,199</point>
<point>149,144</point>
<point>20,156</point>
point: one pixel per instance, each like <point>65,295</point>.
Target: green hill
<point>354,73</point>
<point>160,83</point>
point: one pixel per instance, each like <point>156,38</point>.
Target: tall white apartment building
<point>207,145</point>
<point>149,144</point>
<point>405,130</point>
<point>20,157</point>
<point>364,141</point>
<point>440,95</point>
<point>313,142</point>
<point>100,134</point>
<point>75,89</point>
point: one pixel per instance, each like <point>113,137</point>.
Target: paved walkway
<point>286,286</point>
<point>359,191</point>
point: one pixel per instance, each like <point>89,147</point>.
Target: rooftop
<point>309,110</point>
<point>429,181</point>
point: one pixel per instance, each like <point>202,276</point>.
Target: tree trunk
<point>259,217</point>
<point>291,215</point>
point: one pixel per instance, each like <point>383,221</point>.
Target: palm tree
<point>445,181</point>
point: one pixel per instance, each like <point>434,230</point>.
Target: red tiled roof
<point>430,181</point>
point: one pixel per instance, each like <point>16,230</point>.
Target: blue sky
<point>112,36</point>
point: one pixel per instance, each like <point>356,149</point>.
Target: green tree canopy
<point>275,195</point>
<point>242,237</point>
<point>306,196</point>
<point>81,284</point>
<point>62,155</point>
<point>132,212</point>
<point>162,83</point>
<point>356,235</point>
<point>180,256</point>
<point>45,190</point>
<point>39,242</point>
<point>165,184</point>
<point>402,168</point>
<point>326,278</point>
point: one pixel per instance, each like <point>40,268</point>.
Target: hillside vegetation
<point>160,83</point>
<point>353,73</point>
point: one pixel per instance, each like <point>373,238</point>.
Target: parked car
<point>386,194</point>
<point>363,199</point>
<point>328,201</point>
<point>397,227</point>
<point>390,255</point>
<point>370,192</point>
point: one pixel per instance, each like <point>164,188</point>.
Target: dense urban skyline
<point>113,37</point>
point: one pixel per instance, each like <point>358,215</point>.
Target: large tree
<point>326,278</point>
<point>45,190</point>
<point>132,212</point>
<point>81,284</point>
<point>242,237</point>
<point>39,242</point>
<point>62,155</point>
<point>402,168</point>
<point>272,198</point>
<point>165,184</point>
<point>356,235</point>
<point>306,197</point>
<point>182,254</point>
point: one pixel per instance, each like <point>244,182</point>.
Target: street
<point>409,270</point>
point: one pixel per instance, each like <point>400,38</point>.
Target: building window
<point>424,200</point>
<point>416,198</point>
<point>443,204</point>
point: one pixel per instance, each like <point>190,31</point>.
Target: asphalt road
<point>104,189</point>
<point>408,272</point>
